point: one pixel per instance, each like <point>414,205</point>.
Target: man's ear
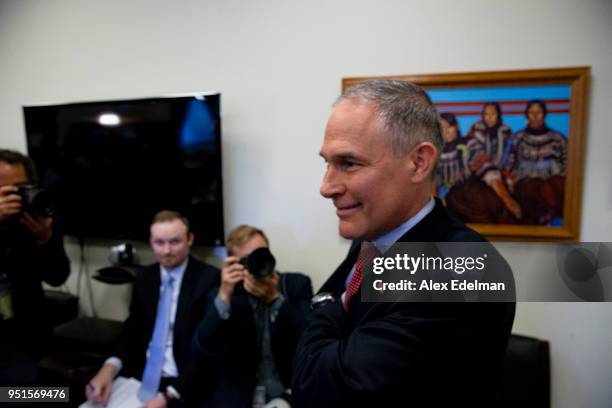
<point>190,238</point>
<point>423,161</point>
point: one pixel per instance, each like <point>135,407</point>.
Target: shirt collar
<point>177,272</point>
<point>392,236</point>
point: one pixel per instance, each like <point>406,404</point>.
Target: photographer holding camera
<point>31,251</point>
<point>248,338</point>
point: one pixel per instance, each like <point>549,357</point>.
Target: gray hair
<point>404,110</point>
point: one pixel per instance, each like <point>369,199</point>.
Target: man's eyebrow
<point>340,156</point>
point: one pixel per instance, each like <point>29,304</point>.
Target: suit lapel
<point>335,283</point>
<point>181,320</point>
<point>185,293</point>
<point>152,282</point>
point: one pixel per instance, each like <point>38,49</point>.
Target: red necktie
<point>366,254</point>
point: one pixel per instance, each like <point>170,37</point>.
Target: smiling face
<point>373,190</point>
<point>171,242</point>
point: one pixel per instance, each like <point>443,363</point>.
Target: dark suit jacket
<point>132,345</point>
<point>27,266</point>
<point>403,354</point>
<point>229,347</point>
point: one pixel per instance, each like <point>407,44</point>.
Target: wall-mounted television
<point>109,166</point>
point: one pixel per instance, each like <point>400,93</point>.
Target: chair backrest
<point>526,376</point>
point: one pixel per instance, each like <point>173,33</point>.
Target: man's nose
<point>331,185</point>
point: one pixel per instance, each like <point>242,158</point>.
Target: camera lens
<point>260,263</point>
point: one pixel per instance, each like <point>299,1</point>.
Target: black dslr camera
<point>260,263</point>
<point>35,200</point>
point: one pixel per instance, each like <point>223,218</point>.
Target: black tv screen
<point>110,166</point>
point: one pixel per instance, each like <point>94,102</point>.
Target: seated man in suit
<point>31,252</point>
<point>168,302</point>
<point>250,333</point>
<point>381,145</point>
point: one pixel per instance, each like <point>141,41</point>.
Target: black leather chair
<point>61,307</point>
<point>526,375</point>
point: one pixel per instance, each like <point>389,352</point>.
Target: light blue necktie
<point>157,347</point>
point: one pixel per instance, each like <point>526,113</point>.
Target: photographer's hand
<point>265,289</point>
<point>232,273</point>
<point>10,202</point>
<point>41,228</point>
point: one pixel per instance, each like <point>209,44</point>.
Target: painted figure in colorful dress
<point>486,196</point>
<point>537,161</point>
<point>452,165</point>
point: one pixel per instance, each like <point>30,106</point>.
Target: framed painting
<point>513,157</point>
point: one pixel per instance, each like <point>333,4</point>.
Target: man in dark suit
<point>381,146</point>
<point>248,336</point>
<point>187,282</point>
<point>31,251</point>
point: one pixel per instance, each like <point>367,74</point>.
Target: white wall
<point>278,64</point>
